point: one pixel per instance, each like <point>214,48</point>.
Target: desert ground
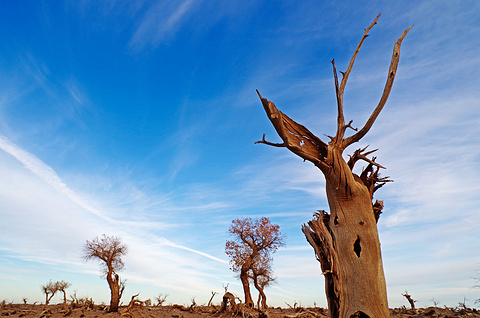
<point>177,311</point>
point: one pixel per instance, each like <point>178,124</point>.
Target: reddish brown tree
<point>262,276</point>
<point>253,243</point>
<point>109,249</point>
<point>345,240</point>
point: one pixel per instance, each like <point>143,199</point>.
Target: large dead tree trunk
<point>345,240</point>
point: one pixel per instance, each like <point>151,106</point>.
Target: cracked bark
<point>345,240</point>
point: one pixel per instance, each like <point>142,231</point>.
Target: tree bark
<point>262,298</point>
<point>345,241</point>
<point>228,298</point>
<point>246,284</point>
<point>116,290</point>
<point>347,245</point>
<point>411,301</point>
<point>64,299</point>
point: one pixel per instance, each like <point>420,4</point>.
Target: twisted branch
<point>359,154</point>
<point>296,137</point>
<point>386,91</point>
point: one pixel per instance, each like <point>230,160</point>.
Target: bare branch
<point>296,137</point>
<point>211,298</point>
<point>386,91</point>
<point>358,154</point>
<point>410,300</point>
<point>340,117</point>
<point>371,179</point>
<point>134,301</point>
<point>161,299</point>
<point>263,141</point>
<point>352,60</point>
<point>339,89</point>
<point>349,125</point>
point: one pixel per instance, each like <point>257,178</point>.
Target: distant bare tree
<point>411,301</point>
<point>49,289</point>
<point>109,249</point>
<point>61,286</point>
<point>161,299</point>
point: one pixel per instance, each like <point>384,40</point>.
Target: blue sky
<point>138,119</point>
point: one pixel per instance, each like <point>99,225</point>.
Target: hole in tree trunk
<point>359,314</point>
<point>335,221</point>
<point>357,249</point>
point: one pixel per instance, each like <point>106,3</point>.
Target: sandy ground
<point>57,311</point>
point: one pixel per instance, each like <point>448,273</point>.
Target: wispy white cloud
<point>169,243</point>
<point>160,21</point>
<point>47,174</point>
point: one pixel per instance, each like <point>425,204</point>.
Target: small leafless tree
<point>49,289</point>
<point>134,301</point>
<point>161,299</point>
<point>411,301</point>
<point>109,250</point>
<point>253,243</point>
<point>61,286</point>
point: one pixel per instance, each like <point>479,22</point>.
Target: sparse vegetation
<point>161,298</point>
<point>61,286</point>
<point>85,308</point>
<point>51,288</point>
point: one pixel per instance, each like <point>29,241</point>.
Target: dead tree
<point>61,286</point>
<point>134,301</point>
<point>345,240</point>
<point>228,297</point>
<point>211,298</point>
<point>49,289</point>
<point>411,301</point>
<point>109,249</point>
<point>161,299</point>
